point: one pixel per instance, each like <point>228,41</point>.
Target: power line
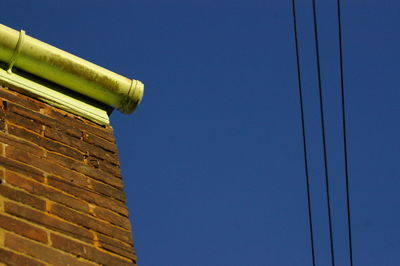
<point>321,104</point>
<point>344,132</point>
<point>303,132</point>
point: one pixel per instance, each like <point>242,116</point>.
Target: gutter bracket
<point>17,50</point>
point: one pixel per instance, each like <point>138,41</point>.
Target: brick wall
<point>61,192</point>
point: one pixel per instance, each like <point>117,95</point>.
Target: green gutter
<point>52,64</point>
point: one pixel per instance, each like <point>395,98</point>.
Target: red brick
<point>104,155</point>
<point>2,124</point>
<point>45,191</point>
<point>112,217</point>
<point>23,229</point>
<point>93,161</point>
<point>58,135</point>
<point>49,222</point>
<point>80,145</point>
<point>100,142</point>
<point>88,196</point>
<point>21,144</point>
<point>19,99</point>
<point>45,166</point>
<point>21,168</point>
<point>13,259</point>
<point>61,176</point>
<point>104,177</point>
<point>110,168</point>
<point>61,159</point>
<point>85,169</point>
<point>44,120</point>
<point>24,122</point>
<point>45,143</point>
<point>31,114</point>
<point>92,223</point>
<point>23,197</point>
<point>65,118</point>
<point>108,190</point>
<point>41,252</point>
<point>116,246</point>
<point>87,252</point>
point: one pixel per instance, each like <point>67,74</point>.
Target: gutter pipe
<point>65,69</point>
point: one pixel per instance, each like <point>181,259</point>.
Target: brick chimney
<point>61,192</point>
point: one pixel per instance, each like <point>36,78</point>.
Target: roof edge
<point>56,96</point>
<point>69,71</point>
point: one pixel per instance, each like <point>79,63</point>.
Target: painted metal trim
<point>55,96</point>
<point>50,63</point>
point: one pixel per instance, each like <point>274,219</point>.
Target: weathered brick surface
<point>2,124</point>
<point>99,142</point>
<point>61,191</point>
<point>14,259</point>
<point>21,144</point>
<point>43,219</point>
<point>42,190</point>
<point>45,143</point>
<point>88,195</point>
<point>23,197</point>
<point>42,252</point>
<point>69,119</point>
<point>115,246</point>
<point>44,120</point>
<point>23,228</point>
<point>27,123</point>
<point>45,166</point>
<point>112,217</point>
<point>110,168</point>
<point>108,190</point>
<point>87,169</point>
<point>86,251</point>
<point>91,223</point>
<point>21,168</point>
<point>16,98</point>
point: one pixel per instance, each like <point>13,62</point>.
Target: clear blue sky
<point>212,159</point>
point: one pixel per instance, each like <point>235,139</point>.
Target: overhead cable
<point>303,133</point>
<point>321,104</point>
<point>344,132</point>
